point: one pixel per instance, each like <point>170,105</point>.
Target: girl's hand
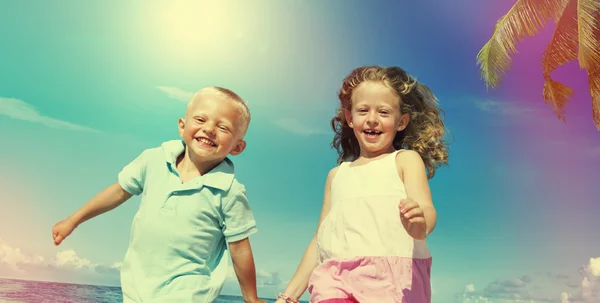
<point>61,230</point>
<point>413,219</point>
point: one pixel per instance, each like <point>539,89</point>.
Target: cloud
<point>176,93</point>
<point>263,278</point>
<point>20,110</point>
<point>69,258</point>
<point>65,266</point>
<point>267,283</point>
<point>590,285</point>
<point>504,108</point>
<point>545,287</point>
<point>570,135</point>
<point>13,258</point>
<point>300,128</point>
<point>288,124</point>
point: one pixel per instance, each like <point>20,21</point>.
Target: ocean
<point>24,291</point>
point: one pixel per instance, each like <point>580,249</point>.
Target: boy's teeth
<point>206,141</point>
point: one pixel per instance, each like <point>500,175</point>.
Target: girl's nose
<point>372,119</point>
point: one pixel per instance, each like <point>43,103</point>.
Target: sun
<point>187,29</point>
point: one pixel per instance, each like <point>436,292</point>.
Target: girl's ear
<point>404,119</point>
<point>348,116</point>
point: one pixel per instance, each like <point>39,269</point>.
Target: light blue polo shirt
<point>177,250</point>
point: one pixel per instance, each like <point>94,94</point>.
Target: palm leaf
<point>524,19</point>
<point>594,80</point>
<point>562,48</point>
<point>589,41</point>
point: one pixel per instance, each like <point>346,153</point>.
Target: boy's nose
<point>209,130</point>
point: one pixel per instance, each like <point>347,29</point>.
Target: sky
<point>87,86</point>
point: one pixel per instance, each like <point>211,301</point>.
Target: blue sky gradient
<point>85,87</point>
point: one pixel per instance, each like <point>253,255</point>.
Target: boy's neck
<point>190,167</point>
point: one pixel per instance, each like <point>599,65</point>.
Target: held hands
<point>61,230</point>
<point>413,219</point>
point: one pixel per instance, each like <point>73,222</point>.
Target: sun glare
<point>198,27</point>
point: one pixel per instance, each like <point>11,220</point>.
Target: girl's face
<point>375,118</point>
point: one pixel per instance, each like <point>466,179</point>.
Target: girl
<point>377,209</point>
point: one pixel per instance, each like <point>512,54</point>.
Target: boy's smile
<point>211,129</point>
<point>208,143</point>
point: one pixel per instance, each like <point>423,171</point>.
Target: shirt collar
<point>220,177</point>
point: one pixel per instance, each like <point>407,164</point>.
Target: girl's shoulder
<point>408,159</point>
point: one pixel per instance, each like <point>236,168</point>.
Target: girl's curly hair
<point>425,130</point>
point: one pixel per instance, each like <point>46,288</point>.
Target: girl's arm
<point>299,281</point>
<point>412,172</point>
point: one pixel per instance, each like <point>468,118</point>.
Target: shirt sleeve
<point>132,177</point>
<point>238,220</point>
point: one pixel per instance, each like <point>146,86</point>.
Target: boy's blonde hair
<point>243,109</point>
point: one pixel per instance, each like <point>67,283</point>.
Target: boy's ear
<point>348,116</point>
<point>239,148</point>
<point>404,119</point>
<point>180,126</point>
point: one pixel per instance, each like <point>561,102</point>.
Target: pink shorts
<point>371,279</point>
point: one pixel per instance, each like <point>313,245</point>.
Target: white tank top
<point>364,219</point>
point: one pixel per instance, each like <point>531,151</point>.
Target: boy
<point>191,206</point>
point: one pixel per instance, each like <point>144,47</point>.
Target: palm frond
<point>594,81</point>
<point>589,41</point>
<point>562,48</point>
<point>557,95</point>
<point>524,19</point>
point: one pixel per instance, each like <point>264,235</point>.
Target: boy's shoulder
<point>236,187</point>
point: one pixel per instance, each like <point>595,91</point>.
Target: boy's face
<point>211,127</point>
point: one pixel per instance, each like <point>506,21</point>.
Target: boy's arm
<point>238,225</point>
<point>243,265</point>
<point>130,182</point>
<point>107,199</point>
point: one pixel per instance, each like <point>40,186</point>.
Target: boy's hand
<point>61,230</point>
<point>413,219</point>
